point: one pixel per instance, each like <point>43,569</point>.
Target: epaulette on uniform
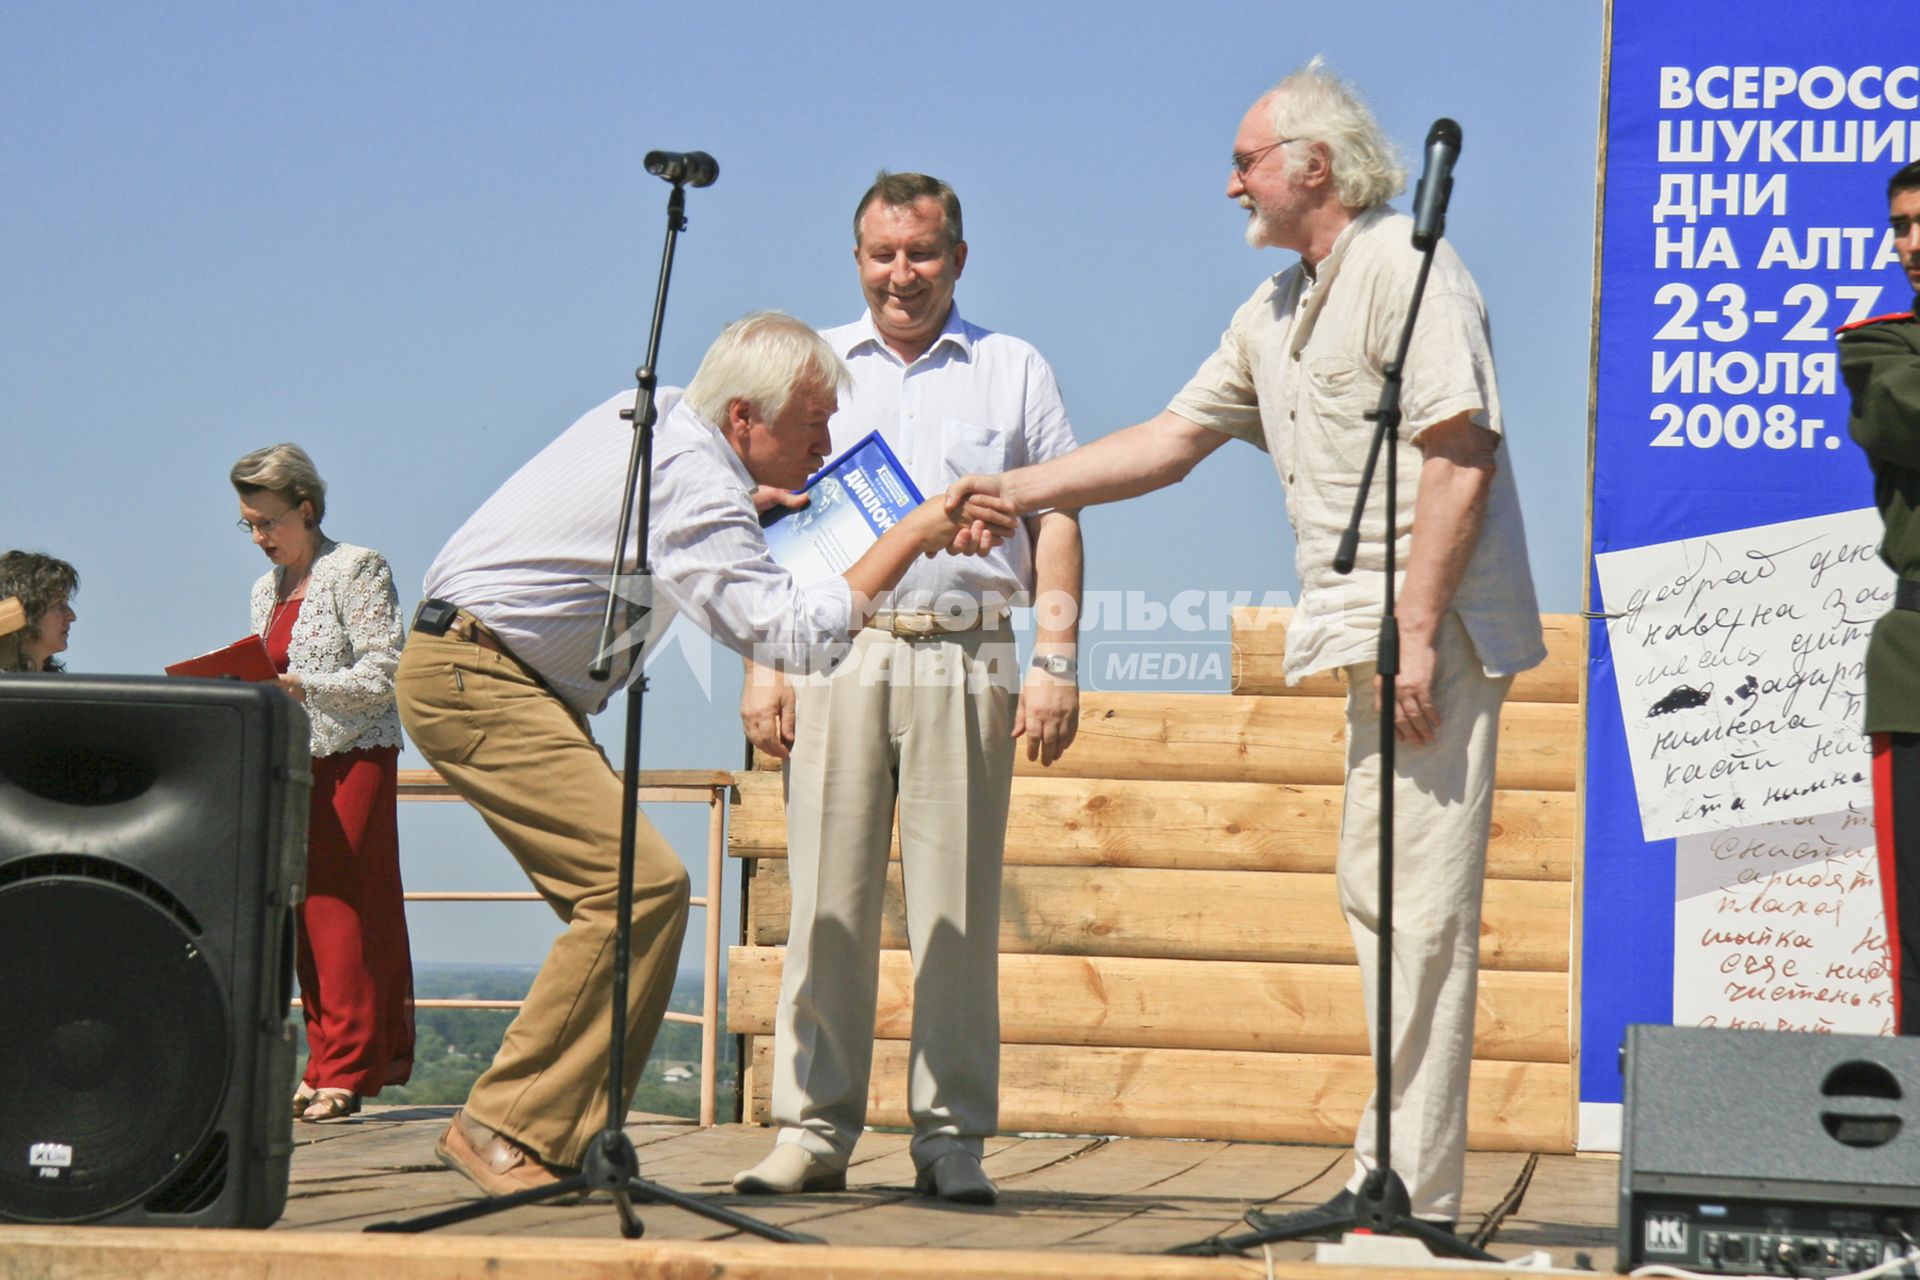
<point>1886,319</point>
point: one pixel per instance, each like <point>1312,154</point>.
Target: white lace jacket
<point>345,645</point>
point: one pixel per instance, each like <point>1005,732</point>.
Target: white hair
<point>763,358</point>
<point>1314,105</point>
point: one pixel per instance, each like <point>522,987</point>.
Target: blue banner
<point>1746,151</point>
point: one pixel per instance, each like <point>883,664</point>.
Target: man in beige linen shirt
<point>1295,374</point>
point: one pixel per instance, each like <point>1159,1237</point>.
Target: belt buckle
<point>913,626</point>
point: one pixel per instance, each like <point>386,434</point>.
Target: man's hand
<point>766,498</point>
<point>1456,476</point>
<point>970,540</point>
<point>1414,719</point>
<point>1048,716</point>
<point>976,528</point>
<point>968,489</point>
<point>766,711</point>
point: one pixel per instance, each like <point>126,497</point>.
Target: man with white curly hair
<point>1295,374</point>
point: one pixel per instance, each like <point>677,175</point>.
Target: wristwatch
<point>1057,664</point>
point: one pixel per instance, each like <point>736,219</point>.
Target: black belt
<point>1906,595</point>
<point>441,617</point>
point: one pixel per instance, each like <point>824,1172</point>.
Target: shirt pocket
<point>1340,394</point>
<point>967,449</point>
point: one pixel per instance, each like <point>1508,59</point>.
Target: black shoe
<point>1342,1211</point>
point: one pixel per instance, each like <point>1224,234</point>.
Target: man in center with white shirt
<point>924,711</point>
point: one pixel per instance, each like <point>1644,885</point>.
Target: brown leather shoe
<point>492,1161</point>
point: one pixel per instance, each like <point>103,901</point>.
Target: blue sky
<point>418,240</point>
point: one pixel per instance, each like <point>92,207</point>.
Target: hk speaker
<point>1768,1151</point>
<point>152,850</point>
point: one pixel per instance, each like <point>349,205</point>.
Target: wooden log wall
<point>1173,958</point>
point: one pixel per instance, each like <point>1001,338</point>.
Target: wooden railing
<point>1173,957</point>
<point>656,785</point>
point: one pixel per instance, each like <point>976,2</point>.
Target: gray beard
<point>1256,229</point>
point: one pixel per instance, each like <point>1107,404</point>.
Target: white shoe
<point>789,1169</point>
<point>957,1177</point>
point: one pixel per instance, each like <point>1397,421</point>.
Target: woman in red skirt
<point>331,620</point>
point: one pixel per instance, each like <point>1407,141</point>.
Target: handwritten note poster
<point>1739,662</point>
<point>1780,928</point>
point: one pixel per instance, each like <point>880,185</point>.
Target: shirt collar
<point>1324,271</point>
<point>1315,288</point>
<point>862,334</point>
<point>704,437</point>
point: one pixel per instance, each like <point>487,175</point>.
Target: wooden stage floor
<point>1069,1206</point>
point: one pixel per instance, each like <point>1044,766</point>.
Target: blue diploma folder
<point>853,500</point>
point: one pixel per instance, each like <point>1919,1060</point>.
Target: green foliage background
<point>453,1046</point>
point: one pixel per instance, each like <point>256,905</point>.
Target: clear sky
<point>417,239</point>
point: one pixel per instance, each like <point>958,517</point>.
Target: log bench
<point>1173,961</point>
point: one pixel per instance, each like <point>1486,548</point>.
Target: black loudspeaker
<point>152,849</point>
<point>1770,1152</point>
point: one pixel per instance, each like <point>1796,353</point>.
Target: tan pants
<point>525,761</point>
<point>1443,805</point>
<point>927,721</point>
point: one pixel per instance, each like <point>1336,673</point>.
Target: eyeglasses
<point>1243,161</point>
<point>265,527</point>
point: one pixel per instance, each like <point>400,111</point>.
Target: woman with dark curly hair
<point>44,587</point>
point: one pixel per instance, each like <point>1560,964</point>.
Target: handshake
<point>983,515</point>
<point>970,519</point>
<point>965,523</point>
<point>973,516</point>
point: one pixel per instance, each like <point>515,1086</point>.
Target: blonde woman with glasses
<point>331,620</point>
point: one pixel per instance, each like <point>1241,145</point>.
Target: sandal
<point>302,1099</point>
<point>330,1104</point>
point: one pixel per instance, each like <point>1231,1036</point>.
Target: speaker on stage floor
<point>1780,1151</point>
<point>152,850</point>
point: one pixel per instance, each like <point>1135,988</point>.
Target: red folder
<point>242,660</point>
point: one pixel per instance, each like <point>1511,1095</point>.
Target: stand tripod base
<point>613,1166</point>
<point>1381,1207</point>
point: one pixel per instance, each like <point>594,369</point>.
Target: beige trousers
<point>926,722</point>
<point>521,757</point>
<point>1443,805</point>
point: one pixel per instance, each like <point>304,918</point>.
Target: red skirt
<point>356,971</point>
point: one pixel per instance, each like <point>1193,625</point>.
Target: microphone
<point>1436,184</point>
<point>692,168</point>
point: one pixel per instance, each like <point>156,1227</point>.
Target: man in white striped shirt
<point>493,689</point>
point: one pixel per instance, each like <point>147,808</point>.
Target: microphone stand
<point>611,1163</point>
<point>1381,1206</point>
